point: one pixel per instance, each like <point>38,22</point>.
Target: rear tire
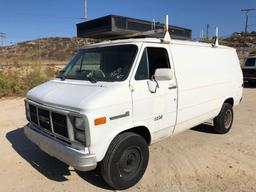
<point>223,122</point>
<point>125,161</point>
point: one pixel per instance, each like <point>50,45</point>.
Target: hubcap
<point>130,163</point>
<point>228,119</point>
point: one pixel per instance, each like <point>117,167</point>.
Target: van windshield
<point>111,63</point>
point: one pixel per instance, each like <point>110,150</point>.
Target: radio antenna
<point>153,24</point>
<point>216,38</point>
<point>167,36</point>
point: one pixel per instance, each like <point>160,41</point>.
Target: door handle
<point>172,87</point>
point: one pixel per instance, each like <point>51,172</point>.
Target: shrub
<point>18,81</point>
<point>36,76</point>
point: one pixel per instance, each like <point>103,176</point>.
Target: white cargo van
<point>116,98</point>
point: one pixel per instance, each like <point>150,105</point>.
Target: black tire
<point>223,122</point>
<point>125,161</point>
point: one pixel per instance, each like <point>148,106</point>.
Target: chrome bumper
<point>75,158</point>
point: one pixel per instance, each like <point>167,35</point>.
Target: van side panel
<point>206,77</point>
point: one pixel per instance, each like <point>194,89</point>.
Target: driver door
<point>157,111</point>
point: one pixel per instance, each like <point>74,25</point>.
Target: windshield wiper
<point>61,75</point>
<point>64,77</point>
<point>91,79</point>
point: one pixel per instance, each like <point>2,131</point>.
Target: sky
<point>23,20</point>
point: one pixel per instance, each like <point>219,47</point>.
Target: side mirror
<point>163,74</point>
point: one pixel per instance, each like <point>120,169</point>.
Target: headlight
<point>27,111</point>
<point>80,136</point>
<point>79,123</point>
<point>79,129</point>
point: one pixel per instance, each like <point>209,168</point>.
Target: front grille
<point>46,120</point>
<point>60,124</point>
<point>33,114</point>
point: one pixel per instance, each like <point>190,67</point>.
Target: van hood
<point>68,94</point>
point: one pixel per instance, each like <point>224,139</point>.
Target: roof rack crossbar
<point>150,33</point>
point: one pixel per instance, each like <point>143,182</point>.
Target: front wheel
<point>125,161</point>
<point>223,122</point>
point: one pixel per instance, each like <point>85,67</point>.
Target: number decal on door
<point>159,117</point>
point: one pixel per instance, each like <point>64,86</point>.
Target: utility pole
<point>207,31</point>
<point>2,37</point>
<point>202,34</point>
<point>85,10</point>
<point>247,11</point>
<point>39,52</point>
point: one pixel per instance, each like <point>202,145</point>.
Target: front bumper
<point>75,158</point>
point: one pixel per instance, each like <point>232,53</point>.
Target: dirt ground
<point>194,161</point>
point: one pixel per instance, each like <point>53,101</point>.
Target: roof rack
<point>160,33</point>
<point>152,33</point>
<point>118,27</point>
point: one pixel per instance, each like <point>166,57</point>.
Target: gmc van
<point>116,98</point>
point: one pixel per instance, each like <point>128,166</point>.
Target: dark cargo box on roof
<point>117,26</point>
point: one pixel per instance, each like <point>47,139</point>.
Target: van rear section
<point>206,77</point>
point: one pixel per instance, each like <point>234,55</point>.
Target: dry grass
<point>17,81</point>
<point>27,64</point>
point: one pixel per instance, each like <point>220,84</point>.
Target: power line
<point>22,16</point>
<point>247,11</point>
<point>207,31</point>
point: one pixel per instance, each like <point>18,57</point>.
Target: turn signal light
<point>100,121</point>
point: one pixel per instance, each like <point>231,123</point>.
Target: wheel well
<point>229,101</point>
<point>142,131</point>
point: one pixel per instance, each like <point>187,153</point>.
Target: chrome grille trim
<point>70,114</point>
<point>41,128</point>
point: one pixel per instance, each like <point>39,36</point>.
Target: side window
<point>153,58</point>
<point>143,70</point>
<point>158,58</point>
<point>250,62</point>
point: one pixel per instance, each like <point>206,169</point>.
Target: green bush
<point>8,84</point>
<point>17,82</point>
<point>37,76</point>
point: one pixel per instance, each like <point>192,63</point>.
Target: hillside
<point>46,51</point>
<point>58,51</point>
<point>244,44</point>
<point>30,63</point>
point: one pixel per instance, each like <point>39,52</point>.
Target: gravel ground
<point>196,160</point>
